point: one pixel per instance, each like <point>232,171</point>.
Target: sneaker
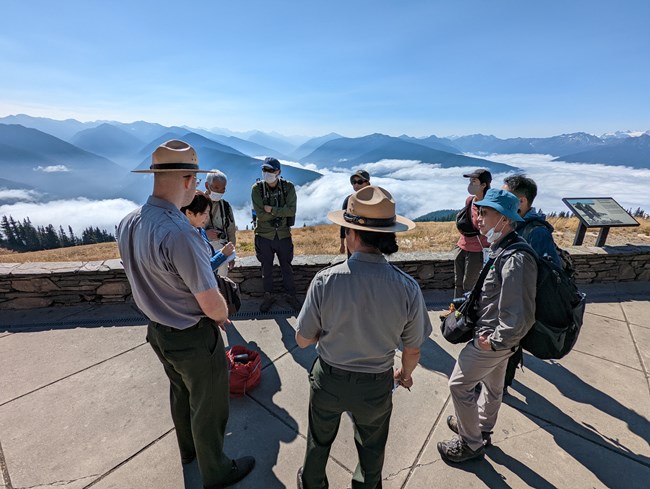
<point>299,482</point>
<point>293,301</point>
<point>268,301</point>
<point>456,450</point>
<point>240,469</point>
<point>452,423</point>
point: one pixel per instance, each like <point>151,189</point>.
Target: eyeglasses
<point>482,211</point>
<point>355,181</point>
<point>198,180</point>
<point>268,170</point>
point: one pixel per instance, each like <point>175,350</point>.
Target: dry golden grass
<point>324,240</point>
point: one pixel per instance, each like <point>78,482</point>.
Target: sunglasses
<point>356,181</point>
<point>268,170</point>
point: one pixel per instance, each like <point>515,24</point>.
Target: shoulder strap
<point>225,216</point>
<point>528,228</point>
<point>517,245</point>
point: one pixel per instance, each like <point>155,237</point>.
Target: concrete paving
<point>84,404</point>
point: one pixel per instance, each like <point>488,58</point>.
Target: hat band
<point>367,221</point>
<point>174,166</point>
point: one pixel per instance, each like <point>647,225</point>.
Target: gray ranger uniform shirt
<point>166,261</point>
<point>363,308</point>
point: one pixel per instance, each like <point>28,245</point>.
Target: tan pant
<point>477,414</point>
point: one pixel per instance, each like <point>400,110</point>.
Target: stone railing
<point>32,285</point>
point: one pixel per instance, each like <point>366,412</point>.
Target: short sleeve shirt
<point>363,309</point>
<point>166,261</point>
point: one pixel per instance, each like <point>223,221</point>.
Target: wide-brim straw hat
<point>174,156</point>
<point>371,209</point>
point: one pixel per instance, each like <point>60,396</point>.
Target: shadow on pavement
<point>267,453</point>
<point>549,417</point>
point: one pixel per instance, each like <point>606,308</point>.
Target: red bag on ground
<point>245,369</point>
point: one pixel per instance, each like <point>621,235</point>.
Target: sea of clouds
<point>418,188</point>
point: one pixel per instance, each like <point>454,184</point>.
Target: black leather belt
<point>170,329</point>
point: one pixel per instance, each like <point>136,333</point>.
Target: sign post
<point>598,212</point>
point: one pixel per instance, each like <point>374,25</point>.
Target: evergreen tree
<point>50,239</point>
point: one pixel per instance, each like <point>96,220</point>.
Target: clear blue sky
<point>503,67</point>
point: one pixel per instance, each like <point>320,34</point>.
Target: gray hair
<point>216,175</point>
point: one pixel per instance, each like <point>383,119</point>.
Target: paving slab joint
<point>418,457</point>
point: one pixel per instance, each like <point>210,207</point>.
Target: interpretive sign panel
<point>598,212</point>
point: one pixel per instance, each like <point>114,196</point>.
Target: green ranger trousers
<point>368,399</point>
<point>195,363</point>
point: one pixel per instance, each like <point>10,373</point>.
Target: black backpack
<point>464,222</point>
<point>559,307</point>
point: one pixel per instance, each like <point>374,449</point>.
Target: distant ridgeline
<point>23,236</point>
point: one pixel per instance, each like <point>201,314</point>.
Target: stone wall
<point>32,285</point>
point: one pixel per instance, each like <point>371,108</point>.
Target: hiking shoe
<point>452,423</point>
<point>293,301</point>
<point>299,482</point>
<point>268,301</point>
<point>241,467</point>
<point>456,450</point>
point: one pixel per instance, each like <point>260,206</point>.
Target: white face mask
<point>493,235</point>
<point>270,177</point>
<point>215,197</point>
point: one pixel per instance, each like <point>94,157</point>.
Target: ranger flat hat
<point>173,156</point>
<point>371,209</point>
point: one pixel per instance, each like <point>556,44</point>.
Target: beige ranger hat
<point>371,209</point>
<point>173,156</point>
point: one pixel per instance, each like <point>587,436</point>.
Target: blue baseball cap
<point>503,202</point>
<point>271,163</point>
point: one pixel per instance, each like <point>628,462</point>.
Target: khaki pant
<point>477,414</point>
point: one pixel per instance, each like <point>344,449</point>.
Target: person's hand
<point>224,324</point>
<point>401,380</point>
<point>228,249</point>
<point>212,234</point>
<point>484,342</point>
<point>268,208</point>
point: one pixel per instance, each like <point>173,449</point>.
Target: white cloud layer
<point>417,188</point>
<point>17,194</point>
<point>78,213</point>
<point>52,168</point>
<point>420,188</point>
